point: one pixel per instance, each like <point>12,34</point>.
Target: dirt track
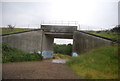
<point>37,70</point>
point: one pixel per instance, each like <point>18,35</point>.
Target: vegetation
<point>100,63</point>
<point>10,26</point>
<point>63,49</point>
<point>112,33</point>
<point>61,56</point>
<point>105,33</point>
<point>13,30</point>
<point>116,29</point>
<point>10,54</point>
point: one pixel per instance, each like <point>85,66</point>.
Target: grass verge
<point>10,54</point>
<point>100,63</point>
<point>14,30</point>
<point>111,35</point>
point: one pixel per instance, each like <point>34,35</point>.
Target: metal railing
<point>60,22</point>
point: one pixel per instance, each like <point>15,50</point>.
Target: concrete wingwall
<point>27,41</point>
<point>32,41</point>
<point>84,42</point>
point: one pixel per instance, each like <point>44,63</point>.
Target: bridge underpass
<point>41,40</point>
<point>54,31</point>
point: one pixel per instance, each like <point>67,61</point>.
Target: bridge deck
<point>60,35</point>
<point>58,28</point>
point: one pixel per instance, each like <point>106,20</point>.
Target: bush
<point>11,27</point>
<point>10,54</point>
<point>98,31</point>
<point>63,49</point>
<point>116,29</point>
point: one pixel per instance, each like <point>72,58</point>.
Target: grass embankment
<point>15,55</point>
<point>14,30</point>
<point>100,63</point>
<point>107,34</point>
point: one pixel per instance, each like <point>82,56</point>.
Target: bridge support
<point>47,46</point>
<point>54,31</point>
<point>42,40</point>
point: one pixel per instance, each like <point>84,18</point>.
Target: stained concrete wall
<point>47,46</point>
<point>83,42</point>
<point>58,28</point>
<point>42,40</point>
<point>39,40</point>
<point>33,41</point>
<point>51,32</point>
<point>28,41</point>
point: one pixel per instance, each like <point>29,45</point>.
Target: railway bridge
<point>41,40</point>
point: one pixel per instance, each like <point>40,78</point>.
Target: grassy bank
<point>10,54</point>
<point>14,30</point>
<point>100,63</point>
<point>107,34</point>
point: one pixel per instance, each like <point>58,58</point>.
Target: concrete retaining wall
<point>41,41</point>
<point>83,42</point>
<point>33,41</point>
<point>27,41</point>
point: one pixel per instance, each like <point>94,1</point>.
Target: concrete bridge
<point>41,40</point>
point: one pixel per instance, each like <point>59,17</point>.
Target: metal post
<point>79,26</point>
<point>42,42</point>
<point>68,23</point>
<point>28,26</point>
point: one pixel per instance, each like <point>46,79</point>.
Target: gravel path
<point>37,70</point>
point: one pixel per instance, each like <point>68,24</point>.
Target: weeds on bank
<point>100,63</point>
<point>10,54</point>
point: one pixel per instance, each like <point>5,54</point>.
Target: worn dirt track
<point>37,70</point>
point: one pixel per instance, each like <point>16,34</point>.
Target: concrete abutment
<point>47,46</point>
<point>42,40</point>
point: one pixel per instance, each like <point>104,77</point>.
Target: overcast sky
<point>90,14</point>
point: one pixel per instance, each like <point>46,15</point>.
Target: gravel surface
<point>37,70</point>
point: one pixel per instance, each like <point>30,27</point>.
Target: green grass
<point>108,34</point>
<point>100,63</point>
<point>15,55</point>
<point>61,56</point>
<point>14,30</point>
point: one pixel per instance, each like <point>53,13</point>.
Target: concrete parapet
<point>58,28</point>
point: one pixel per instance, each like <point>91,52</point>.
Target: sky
<point>89,14</point>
